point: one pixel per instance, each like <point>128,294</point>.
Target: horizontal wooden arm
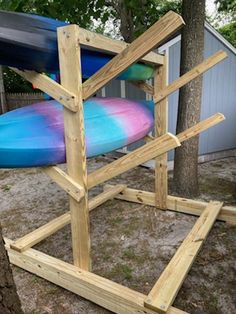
<point>147,88</point>
<point>106,44</point>
<point>189,76</point>
<point>52,88</point>
<point>148,151</point>
<point>158,32</point>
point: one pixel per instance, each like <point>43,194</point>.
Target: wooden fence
<point>17,100</point>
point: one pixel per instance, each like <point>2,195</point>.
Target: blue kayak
<point>29,42</point>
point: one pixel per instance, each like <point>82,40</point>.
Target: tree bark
<point>9,299</point>
<point>192,51</point>
<point>126,18</point>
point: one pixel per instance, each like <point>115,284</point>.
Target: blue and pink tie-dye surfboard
<point>34,135</point>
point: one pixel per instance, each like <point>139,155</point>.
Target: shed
<point>219,95</point>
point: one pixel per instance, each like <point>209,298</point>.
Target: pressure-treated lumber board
<point>161,127</point>
<point>201,126</point>
<point>56,224</point>
<point>103,43</point>
<point>161,30</point>
<point>99,290</point>
<point>71,79</point>
<point>52,88</point>
<point>192,74</point>
<point>147,88</point>
<point>174,203</point>
<point>65,182</point>
<point>167,286</point>
<point>148,151</point>
<point>195,207</point>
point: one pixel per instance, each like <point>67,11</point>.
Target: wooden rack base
<point>99,290</point>
<point>71,93</point>
<point>106,293</point>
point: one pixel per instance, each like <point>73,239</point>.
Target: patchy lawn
<point>131,243</point>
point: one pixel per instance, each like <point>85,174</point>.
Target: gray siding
<point>219,95</point>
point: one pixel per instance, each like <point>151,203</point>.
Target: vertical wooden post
<point>71,78</point>
<point>3,104</point>
<point>161,126</point>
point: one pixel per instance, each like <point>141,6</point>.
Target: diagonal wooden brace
<point>56,224</point>
<point>52,88</point>
<point>190,75</point>
<point>144,86</point>
<point>148,151</point>
<point>154,36</point>
<point>114,46</point>
<point>68,184</point>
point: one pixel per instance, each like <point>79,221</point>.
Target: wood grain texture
<point>189,76</point>
<point>161,30</point>
<point>147,88</point>
<point>52,88</point>
<point>201,126</point>
<point>99,290</point>
<point>148,151</point>
<point>71,79</point>
<point>177,204</point>
<point>106,44</point>
<point>68,184</point>
<point>56,224</point>
<point>161,127</point>
<point>167,286</point>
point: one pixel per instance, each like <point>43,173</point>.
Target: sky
<point>210,7</point>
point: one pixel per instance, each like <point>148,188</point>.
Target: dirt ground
<point>131,243</point>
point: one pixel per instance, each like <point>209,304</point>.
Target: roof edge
<point>208,27</point>
<point>212,30</point>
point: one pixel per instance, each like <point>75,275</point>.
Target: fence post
<point>3,104</point>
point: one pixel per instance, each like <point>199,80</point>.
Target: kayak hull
<point>29,42</point>
<point>34,135</point>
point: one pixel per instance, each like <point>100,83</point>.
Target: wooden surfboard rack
<point>78,277</point>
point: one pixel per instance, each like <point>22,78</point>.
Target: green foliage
<point>229,32</point>
<point>137,15</point>
<point>13,83</point>
<point>79,12</point>
<point>73,11</point>
<point>227,6</point>
<point>142,13</point>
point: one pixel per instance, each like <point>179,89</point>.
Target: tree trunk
<point>126,19</point>
<point>192,51</point>
<point>9,299</point>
